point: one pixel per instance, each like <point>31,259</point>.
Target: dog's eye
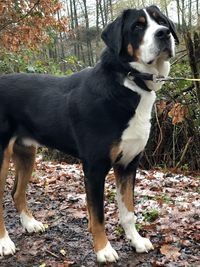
<point>139,25</point>
<point>162,22</point>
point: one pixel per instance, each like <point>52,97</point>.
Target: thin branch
<point>175,61</point>
<point>178,52</point>
<point>52,254</point>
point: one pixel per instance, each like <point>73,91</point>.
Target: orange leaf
<point>170,252</point>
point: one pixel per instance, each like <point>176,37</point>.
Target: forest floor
<point>167,207</point>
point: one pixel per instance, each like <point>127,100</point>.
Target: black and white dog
<point>100,115</point>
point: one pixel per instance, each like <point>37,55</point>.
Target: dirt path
<point>167,208</point>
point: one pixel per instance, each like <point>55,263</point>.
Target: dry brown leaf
<point>170,251</point>
<point>161,105</point>
<point>178,113</point>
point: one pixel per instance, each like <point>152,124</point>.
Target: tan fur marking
<point>130,50</point>
<point>142,19</point>
<point>127,195</point>
<point>114,153</point>
<point>89,220</point>
<point>98,231</point>
<point>126,189</point>
<point>99,237</point>
<point>23,159</point>
<point>155,14</point>
<point>135,53</point>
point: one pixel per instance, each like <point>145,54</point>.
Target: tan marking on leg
<point>127,195</point>
<point>98,231</point>
<point>126,190</point>
<point>23,158</point>
<point>115,153</point>
<point>89,220</point>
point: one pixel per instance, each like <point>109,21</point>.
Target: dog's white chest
<point>135,136</point>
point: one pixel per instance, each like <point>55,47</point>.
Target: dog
<point>100,115</point>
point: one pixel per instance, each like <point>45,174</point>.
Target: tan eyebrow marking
<point>142,19</point>
<point>155,14</point>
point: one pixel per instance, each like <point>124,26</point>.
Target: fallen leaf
<point>171,252</point>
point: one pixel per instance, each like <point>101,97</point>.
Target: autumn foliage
<point>27,22</point>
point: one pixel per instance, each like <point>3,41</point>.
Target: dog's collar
<point>140,77</point>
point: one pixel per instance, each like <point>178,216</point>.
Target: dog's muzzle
<point>163,40</point>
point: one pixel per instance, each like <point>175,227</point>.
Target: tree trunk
<point>89,46</point>
<point>76,30</point>
<point>193,49</point>
<point>101,13</point>
<point>178,13</point>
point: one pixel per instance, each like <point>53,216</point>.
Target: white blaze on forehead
<point>149,49</point>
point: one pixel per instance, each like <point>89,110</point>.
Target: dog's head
<point>143,36</point>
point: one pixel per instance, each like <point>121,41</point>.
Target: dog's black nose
<point>162,33</point>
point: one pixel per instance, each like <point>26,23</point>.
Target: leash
<point>157,78</point>
<point>173,79</point>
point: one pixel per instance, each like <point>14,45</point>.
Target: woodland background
<point>63,36</point>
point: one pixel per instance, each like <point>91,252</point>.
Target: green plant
<point>151,215</point>
<point>119,231</point>
<point>111,196</point>
<point>138,226</point>
<point>164,198</point>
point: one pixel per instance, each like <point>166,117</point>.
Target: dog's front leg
<point>94,182</point>
<point>125,187</point>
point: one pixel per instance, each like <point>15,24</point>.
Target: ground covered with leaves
<point>167,207</point>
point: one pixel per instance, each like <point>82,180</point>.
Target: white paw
<point>107,254</point>
<point>6,245</point>
<point>31,224</point>
<point>142,244</point>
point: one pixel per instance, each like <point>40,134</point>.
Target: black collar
<point>139,78</point>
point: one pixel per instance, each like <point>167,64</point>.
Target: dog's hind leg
<point>24,158</point>
<point>94,182</point>
<point>6,245</point>
<point>125,187</point>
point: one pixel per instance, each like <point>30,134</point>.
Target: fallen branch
<point>52,254</point>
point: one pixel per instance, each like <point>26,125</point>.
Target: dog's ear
<point>154,7</point>
<point>112,34</point>
<point>172,28</point>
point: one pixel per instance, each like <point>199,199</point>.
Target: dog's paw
<point>107,254</point>
<point>7,246</point>
<point>142,245</point>
<point>30,224</point>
